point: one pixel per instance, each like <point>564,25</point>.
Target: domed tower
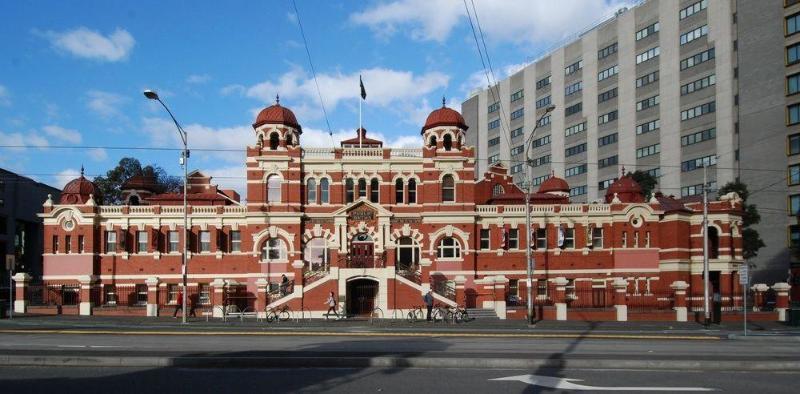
<point>625,189</point>
<point>78,191</point>
<point>444,129</point>
<point>138,188</point>
<point>277,128</point>
<point>555,185</point>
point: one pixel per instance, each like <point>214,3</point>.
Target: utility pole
<point>706,309</point>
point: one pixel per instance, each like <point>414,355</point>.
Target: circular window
<point>68,225</point>
<point>636,221</point>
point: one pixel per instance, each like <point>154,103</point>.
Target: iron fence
<point>116,295</point>
<point>642,302</point>
<point>53,294</point>
<point>590,298</point>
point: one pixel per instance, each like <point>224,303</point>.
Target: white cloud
<point>236,89</point>
<point>516,21</point>
<point>233,177</point>
<point>90,44</point>
<point>316,138</point>
<point>97,154</point>
<point>31,138</point>
<point>198,79</point>
<point>105,104</point>
<point>231,141</point>
<point>60,133</point>
<point>64,176</point>
<point>5,97</point>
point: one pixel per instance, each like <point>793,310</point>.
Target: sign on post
<point>9,262</point>
<point>743,274</point>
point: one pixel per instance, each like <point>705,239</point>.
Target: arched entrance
<point>362,251</point>
<point>362,296</point>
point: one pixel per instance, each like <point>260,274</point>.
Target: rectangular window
<point>694,34</point>
<point>543,82</point>
<point>608,161</point>
<point>494,124</point>
<point>539,179</point>
<point>793,144</point>
<point>607,95</point>
<point>606,118</point>
<point>68,244</point>
<point>173,242</point>
<point>698,137</point>
<point>573,88</point>
<point>577,191</point>
<point>648,54</point>
<point>81,244</point>
<point>141,241</point>
<point>607,140</point>
<point>541,141</point>
<point>494,158</point>
<point>697,111</point>
<point>700,162</point>
<point>655,172</point>
<point>647,31</point>
<point>205,241</point>
<point>794,204</point>
<point>647,79</point>
<point>573,109</point>
<point>577,170</point>
<point>569,238</point>
<point>494,141</point>
<point>608,73</point>
<point>574,150</point>
<point>518,114</point>
<point>648,127</point>
<point>792,24</point>
<point>515,133</point>
<point>647,103</point>
<point>574,67</point>
<point>543,102</point>
<point>793,114</point>
<point>485,239</point>
<point>513,238</point>
<point>699,58</point>
<point>607,51</point>
<point>494,107</point>
<point>204,294</point>
<point>541,238</point>
<point>692,9</point>
<point>699,84</point>
<point>603,185</point>
<point>793,84</point>
<point>575,129</point>
<point>236,241</point>
<point>111,242</point>
<point>516,168</point>
<point>517,150</point>
<point>540,161</point>
<point>541,288</point>
<point>172,294</point>
<point>694,190</point>
<point>597,238</point>
<point>794,174</point>
<point>519,94</point>
<point>544,120</point>
<point>141,294</point>
<point>648,151</point>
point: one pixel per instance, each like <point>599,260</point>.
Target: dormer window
<point>497,190</point>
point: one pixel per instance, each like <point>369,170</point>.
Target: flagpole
<point>359,121</point>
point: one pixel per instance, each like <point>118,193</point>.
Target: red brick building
<point>378,227</point>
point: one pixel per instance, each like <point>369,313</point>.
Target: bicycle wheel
<point>464,316</point>
<point>271,316</point>
<point>458,317</point>
<point>284,315</point>
<point>411,317</point>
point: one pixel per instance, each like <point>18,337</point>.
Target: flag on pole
<point>363,91</point>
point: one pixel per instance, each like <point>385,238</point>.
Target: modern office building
<point>668,87</point>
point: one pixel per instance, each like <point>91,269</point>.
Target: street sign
<point>743,274</point>
<point>9,262</point>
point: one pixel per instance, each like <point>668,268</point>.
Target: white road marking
<point>566,384</point>
<point>71,346</point>
<point>103,346</point>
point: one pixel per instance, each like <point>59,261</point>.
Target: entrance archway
<point>362,250</point>
<point>362,296</point>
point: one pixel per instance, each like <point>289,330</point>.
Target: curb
<point>391,362</point>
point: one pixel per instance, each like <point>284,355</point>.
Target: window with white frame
<point>374,190</point>
<point>141,241</point>
<point>694,34</point>
<point>541,238</point>
<point>362,188</point>
<point>569,238</point>
<point>648,54</point>
<point>408,252</point>
<point>513,238</point>
<point>311,190</point>
<point>597,237</point>
<point>111,242</point>
<point>274,189</point>
<point>324,190</point>
<point>173,242</point>
<point>449,248</point>
<point>486,242</point>
<point>398,191</point>
<point>316,254</point>
<point>273,249</point>
<point>172,293</point>
<point>204,294</point>
<point>497,190</point>
<point>236,241</point>
<point>412,191</point>
<point>205,242</point>
<point>348,190</point>
<point>448,189</point>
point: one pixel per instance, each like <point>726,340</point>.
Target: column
<point>500,296</point>
<point>758,295</point>
<point>21,281</point>
<point>781,299</point>
<point>297,268</point>
<point>152,296</point>
<point>620,288</point>
<point>425,274</point>
<point>559,298</point>
<point>262,286</point>
<point>86,282</point>
<point>679,287</point>
<point>461,298</point>
<point>217,298</point>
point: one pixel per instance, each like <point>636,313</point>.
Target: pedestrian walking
<point>178,304</point>
<point>331,302</point>
<point>428,299</point>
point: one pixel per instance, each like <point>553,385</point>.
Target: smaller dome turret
<point>626,189</point>
<point>554,185</point>
<point>277,115</point>
<point>444,117</point>
<point>78,191</point>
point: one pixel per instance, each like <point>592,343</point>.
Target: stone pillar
<point>500,296</point>
<point>620,304</point>
<point>262,287</point>
<point>217,297</point>
<point>461,298</point>
<point>152,296</point>
<point>759,290</point>
<point>559,298</point>
<point>21,281</point>
<point>297,268</point>
<point>679,287</point>
<point>425,274</point>
<point>781,299</point>
<point>86,305</point>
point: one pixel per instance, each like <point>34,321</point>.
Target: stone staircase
<point>482,314</point>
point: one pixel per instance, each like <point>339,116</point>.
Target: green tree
<point>647,182</point>
<point>751,240</point>
<point>110,185</point>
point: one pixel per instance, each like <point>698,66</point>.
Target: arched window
<point>133,200</point>
<point>311,190</point>
<point>316,254</point>
<point>449,248</point>
<point>260,142</point>
<point>274,141</point>
<point>348,190</point>
<point>273,249</point>
<point>412,191</point>
<point>432,142</point>
<point>447,142</point>
<point>398,191</point>
<point>289,139</point>
<point>274,189</point>
<point>497,190</point>
<point>362,188</point>
<point>324,191</point>
<point>448,189</point>
<point>374,190</point>
<point>407,254</point>
<point>713,243</point>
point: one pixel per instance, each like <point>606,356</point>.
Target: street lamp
<point>185,163</point>
<point>530,258</point>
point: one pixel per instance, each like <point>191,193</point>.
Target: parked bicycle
<point>440,313</point>
<point>457,314</point>
<point>282,313</point>
<point>415,314</point>
<point>376,314</point>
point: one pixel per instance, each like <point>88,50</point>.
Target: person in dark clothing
<point>428,299</point>
<point>284,284</point>
<point>178,304</point>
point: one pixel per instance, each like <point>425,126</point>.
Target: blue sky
<point>72,73</point>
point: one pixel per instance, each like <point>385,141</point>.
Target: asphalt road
<point>350,380</point>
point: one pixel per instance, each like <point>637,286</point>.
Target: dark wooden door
<point>361,296</point>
